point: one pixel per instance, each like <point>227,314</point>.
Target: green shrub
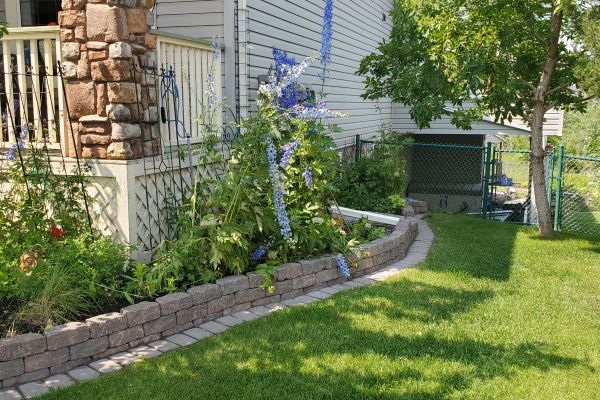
<point>378,180</point>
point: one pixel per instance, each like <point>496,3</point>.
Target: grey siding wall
<point>202,19</point>
<point>295,26</point>
<point>2,11</point>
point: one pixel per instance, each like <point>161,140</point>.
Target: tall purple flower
<point>325,52</point>
<point>288,151</point>
<point>308,178</point>
<point>14,150</point>
<point>278,184</point>
<point>259,253</point>
<point>343,265</point>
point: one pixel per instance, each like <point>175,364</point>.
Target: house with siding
<point>126,124</point>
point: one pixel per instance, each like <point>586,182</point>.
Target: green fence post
<point>549,185</point>
<point>357,149</point>
<point>486,179</point>
<point>559,182</point>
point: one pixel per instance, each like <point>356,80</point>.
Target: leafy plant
<point>364,231</point>
<point>377,181</point>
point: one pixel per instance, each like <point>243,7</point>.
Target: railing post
<point>486,179</point>
<point>357,148</point>
<point>559,182</point>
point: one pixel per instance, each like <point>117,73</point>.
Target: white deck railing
<point>31,95</point>
<point>192,62</point>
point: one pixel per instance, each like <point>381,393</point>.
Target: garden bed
<point>34,356</point>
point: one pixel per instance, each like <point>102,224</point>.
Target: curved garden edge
<point>33,356</point>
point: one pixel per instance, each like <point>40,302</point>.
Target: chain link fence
<point>496,183</point>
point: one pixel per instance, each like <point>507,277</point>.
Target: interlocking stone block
<point>62,368</point>
<point>22,346</point>
<point>106,324</point>
<point>125,336</point>
<point>12,368</point>
<point>66,335</point>
<point>59,381</point>
<point>313,266</point>
<point>232,284</point>
<point>191,314</point>
<point>174,302</point>
<point>327,275</point>
<point>161,324</point>
<point>221,303</point>
<point>112,351</point>
<point>267,300</point>
<point>205,293</point>
<point>304,281</point>
<point>33,389</point>
<point>105,366</point>
<point>47,359</point>
<point>291,295</point>
<point>283,287</point>
<point>140,313</point>
<point>254,280</point>
<point>177,329</point>
<point>83,374</point>
<point>249,295</point>
<point>288,271</point>
<point>89,348</point>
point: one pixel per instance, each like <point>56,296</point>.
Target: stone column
<point>112,107</point>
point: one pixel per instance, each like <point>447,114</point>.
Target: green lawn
<point>494,313</point>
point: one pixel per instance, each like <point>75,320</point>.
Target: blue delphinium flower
<point>288,151</point>
<point>325,52</point>
<point>278,184</point>
<point>13,150</point>
<point>211,92</point>
<point>259,253</point>
<point>308,178</point>
<point>343,266</point>
<point>283,87</point>
<point>215,47</point>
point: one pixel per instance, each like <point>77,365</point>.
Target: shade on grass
<point>494,313</point>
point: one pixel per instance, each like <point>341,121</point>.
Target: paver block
<point>276,307</point>
<point>318,294</point>
<point>228,320</point>
<point>205,293</point>
<point>21,346</point>
<point>330,290</point>
<point>221,304</point>
<point>10,394</point>
<point>126,358</point>
<point>105,366</point>
<point>288,271</point>
<point>181,340</point>
<point>83,373</point>
<point>364,280</point>
<point>327,275</point>
<point>174,302</point>
<point>213,327</point>
<point>353,284</point>
<point>59,381</point>
<point>198,333</point>
<point>146,352</point>
<point>140,313</point>
<point>47,359</point>
<point>191,314</point>
<point>33,389</point>
<point>259,310</point>
<point>245,315</point>
<point>67,335</point>
<point>163,345</point>
<point>232,284</point>
<point>105,324</point>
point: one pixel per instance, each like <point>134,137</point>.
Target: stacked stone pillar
<point>112,105</point>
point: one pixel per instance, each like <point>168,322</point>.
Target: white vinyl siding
<point>200,19</point>
<point>296,27</point>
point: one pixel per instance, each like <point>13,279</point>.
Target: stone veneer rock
<point>33,356</point>
<point>111,104</point>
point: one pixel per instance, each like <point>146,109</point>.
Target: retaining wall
<point>35,356</point>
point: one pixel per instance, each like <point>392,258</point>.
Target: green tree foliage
<point>581,132</point>
<point>470,58</point>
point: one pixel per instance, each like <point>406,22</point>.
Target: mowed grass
<point>494,313</point>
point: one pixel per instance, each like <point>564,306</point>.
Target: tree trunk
<point>538,152</point>
<point>538,172</point>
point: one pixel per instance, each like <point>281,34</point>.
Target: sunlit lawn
<point>494,313</point>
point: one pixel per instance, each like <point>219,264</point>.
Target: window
<point>39,12</point>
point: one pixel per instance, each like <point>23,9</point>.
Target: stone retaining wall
<point>35,356</point>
